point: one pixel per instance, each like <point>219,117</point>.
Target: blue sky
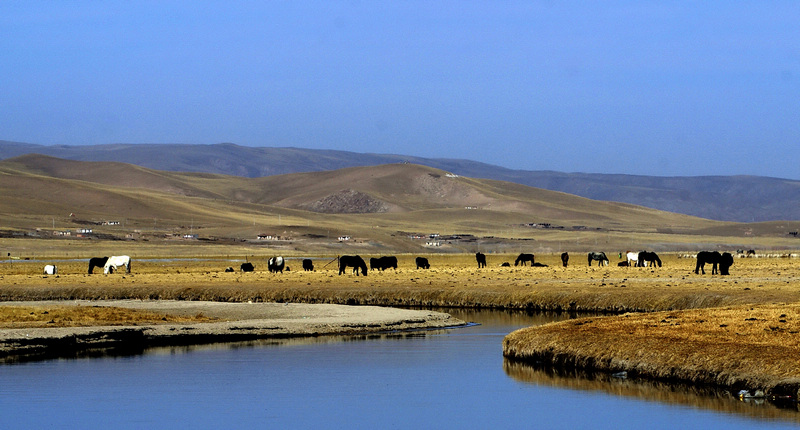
<point>656,88</point>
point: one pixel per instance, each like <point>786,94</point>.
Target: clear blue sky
<point>656,88</point>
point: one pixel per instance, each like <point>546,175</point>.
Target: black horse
<point>564,259</point>
<point>481,259</point>
<point>97,262</point>
<point>600,257</point>
<point>354,261</point>
<point>652,257</point>
<point>523,258</point>
<point>725,261</point>
<point>422,263</point>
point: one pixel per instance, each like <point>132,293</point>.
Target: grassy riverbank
<point>752,347</point>
<point>736,331</point>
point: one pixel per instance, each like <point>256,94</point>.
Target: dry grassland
<point>728,331</point>
<point>452,281</point>
<point>71,316</point>
<point>742,347</point>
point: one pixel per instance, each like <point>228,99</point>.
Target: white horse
<point>633,259</point>
<point>116,261</point>
<point>50,269</point>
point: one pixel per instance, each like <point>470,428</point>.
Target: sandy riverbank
<point>233,322</point>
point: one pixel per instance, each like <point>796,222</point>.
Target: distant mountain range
<point>723,198</point>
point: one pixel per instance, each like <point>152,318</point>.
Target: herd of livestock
<point>720,263</point>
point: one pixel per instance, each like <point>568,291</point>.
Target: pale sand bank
<point>238,321</point>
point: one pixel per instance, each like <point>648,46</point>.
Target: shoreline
<point>662,293</point>
<point>745,350</point>
<point>237,322</point>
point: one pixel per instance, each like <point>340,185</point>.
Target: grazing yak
<point>276,264</point>
<point>725,261</point>
<point>228,269</point>
<point>383,263</point>
<point>422,263</point>
<point>308,265</point>
<point>50,270</point>
<point>564,259</point>
<point>523,258</point>
<point>354,261</point>
<point>600,257</point>
<point>247,267</point>
<point>481,259</point>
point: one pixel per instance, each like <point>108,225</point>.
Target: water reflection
<point>448,378</point>
<point>289,342</point>
<point>653,391</point>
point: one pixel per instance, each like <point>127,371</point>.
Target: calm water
<point>433,379</point>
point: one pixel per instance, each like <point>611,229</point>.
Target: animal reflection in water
<point>354,261</point>
<point>600,257</point>
<point>116,261</point>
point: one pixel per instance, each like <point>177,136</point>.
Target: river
<point>453,378</point>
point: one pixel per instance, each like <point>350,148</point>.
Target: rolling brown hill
<point>378,204</point>
<point>724,198</point>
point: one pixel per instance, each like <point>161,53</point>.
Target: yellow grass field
<point>664,323</point>
<point>452,280</point>
<point>71,316</point>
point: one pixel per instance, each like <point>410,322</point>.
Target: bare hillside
<point>393,188</point>
<point>384,207</point>
<point>726,198</point>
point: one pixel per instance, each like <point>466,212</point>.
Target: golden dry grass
<point>34,316</point>
<point>453,280</point>
<point>742,346</point>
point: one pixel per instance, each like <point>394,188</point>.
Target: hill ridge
<point>739,198</point>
